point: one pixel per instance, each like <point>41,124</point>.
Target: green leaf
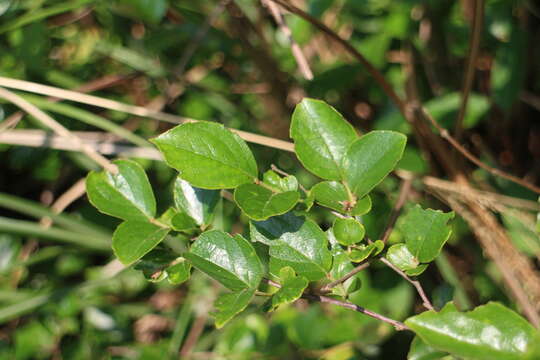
<point>421,351</point>
<point>179,272</point>
<point>198,203</point>
<point>292,287</point>
<point>333,195</point>
<point>321,138</point>
<point>371,158</point>
<point>230,305</point>
<point>207,155</point>
<point>348,231</point>
<point>425,232</point>
<point>259,203</point>
<point>294,241</point>
<point>232,261</point>
<point>400,256</point>
<point>341,266</point>
<point>362,252</point>
<point>134,239</point>
<point>126,195</point>
<point>490,331</point>
<point>287,183</point>
<point>182,222</point>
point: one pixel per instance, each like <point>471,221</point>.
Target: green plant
<point>286,255</point>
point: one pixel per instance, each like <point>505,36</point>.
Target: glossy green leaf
<point>126,195</point>
<point>259,203</point>
<point>371,158</point>
<point>287,183</point>
<point>400,256</point>
<point>333,195</point>
<point>294,241</point>
<point>348,231</point>
<point>134,239</point>
<point>232,261</point>
<point>421,351</point>
<point>198,203</point>
<point>229,305</point>
<point>292,287</point>
<point>321,138</point>
<point>488,332</point>
<point>179,272</point>
<point>362,252</point>
<point>425,232</point>
<point>207,155</point>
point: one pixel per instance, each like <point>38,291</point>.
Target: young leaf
<point>182,222</point>
<point>370,158</point>
<point>321,138</point>
<point>341,266</point>
<point>287,183</point>
<point>197,203</point>
<point>348,231</point>
<point>153,264</point>
<point>333,195</point>
<point>259,203</point>
<point>362,252</point>
<point>292,287</point>
<point>179,272</point>
<point>400,256</point>
<point>230,260</point>
<point>425,232</point>
<point>126,195</point>
<point>490,331</point>
<point>134,239</point>
<point>294,241</point>
<point>421,351</point>
<point>229,305</point>
<point>207,155</point>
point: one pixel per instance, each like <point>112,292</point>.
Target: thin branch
<point>398,325</point>
<point>477,24</point>
<point>57,128</point>
<point>446,135</point>
<point>328,287</point>
<point>376,74</point>
<point>427,304</point>
<point>303,64</point>
<point>76,191</point>
<point>403,194</point>
<point>131,109</point>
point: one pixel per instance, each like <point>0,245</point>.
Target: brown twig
<point>303,64</point>
<point>376,74</point>
<point>403,194</point>
<point>476,28</point>
<point>398,325</point>
<point>427,304</point>
<point>446,135</point>
<point>328,287</point>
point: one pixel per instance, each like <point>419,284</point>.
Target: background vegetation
<point>474,65</point>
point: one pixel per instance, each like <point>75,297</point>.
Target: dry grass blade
<point>131,109</point>
<point>57,128</point>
